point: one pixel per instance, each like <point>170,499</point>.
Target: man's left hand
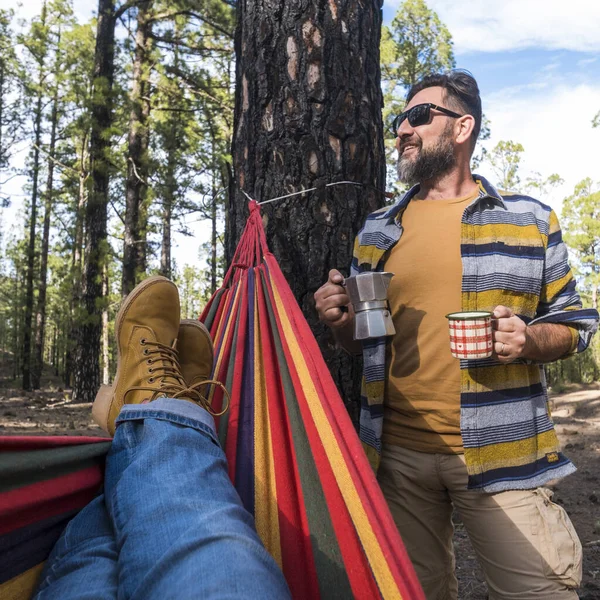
<point>509,335</point>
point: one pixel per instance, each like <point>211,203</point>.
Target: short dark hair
<point>460,90</point>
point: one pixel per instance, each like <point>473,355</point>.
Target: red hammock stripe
<point>29,504</point>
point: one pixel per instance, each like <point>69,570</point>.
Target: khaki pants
<point>525,543</point>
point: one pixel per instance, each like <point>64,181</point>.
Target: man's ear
<point>464,128</point>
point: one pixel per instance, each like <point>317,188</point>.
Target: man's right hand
<point>333,303</point>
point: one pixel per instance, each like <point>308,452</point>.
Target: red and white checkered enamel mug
<point>470,334</point>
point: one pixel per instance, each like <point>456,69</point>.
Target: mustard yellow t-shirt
<point>422,401</point>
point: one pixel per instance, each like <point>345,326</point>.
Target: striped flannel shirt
<point>512,254</point>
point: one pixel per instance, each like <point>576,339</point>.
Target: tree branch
<point>178,42</point>
<point>135,172</point>
<point>195,85</point>
<point>56,162</point>
<point>125,7</point>
<point>192,15</point>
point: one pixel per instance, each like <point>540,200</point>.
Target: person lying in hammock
<point>169,523</point>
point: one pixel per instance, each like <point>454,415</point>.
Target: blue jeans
<point>169,523</point>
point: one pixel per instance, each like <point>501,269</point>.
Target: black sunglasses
<point>419,115</point>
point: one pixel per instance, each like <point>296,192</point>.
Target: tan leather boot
<point>146,329</point>
<point>196,356</point>
<point>196,353</point>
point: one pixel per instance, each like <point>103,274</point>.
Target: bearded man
<point>474,436</point>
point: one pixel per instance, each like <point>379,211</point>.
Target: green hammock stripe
<point>18,469</point>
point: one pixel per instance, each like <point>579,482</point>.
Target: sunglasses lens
<point>418,115</point>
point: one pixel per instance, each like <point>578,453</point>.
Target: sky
<point>537,63</point>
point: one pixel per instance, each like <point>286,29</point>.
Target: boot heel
<point>101,406</point>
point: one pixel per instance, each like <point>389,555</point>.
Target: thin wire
<point>313,189</point>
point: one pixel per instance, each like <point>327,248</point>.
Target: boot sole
<point>105,396</point>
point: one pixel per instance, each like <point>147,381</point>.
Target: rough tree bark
<point>307,113</point>
<point>87,364</point>
<point>134,246</point>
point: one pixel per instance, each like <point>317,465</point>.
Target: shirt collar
<point>486,190</point>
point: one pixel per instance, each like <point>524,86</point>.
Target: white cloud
<point>486,26</point>
<point>554,126</point>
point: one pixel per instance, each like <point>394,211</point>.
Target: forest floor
<point>576,412</point>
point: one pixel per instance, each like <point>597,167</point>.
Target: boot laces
<point>171,384</point>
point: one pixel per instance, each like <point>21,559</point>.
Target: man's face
<point>427,151</point>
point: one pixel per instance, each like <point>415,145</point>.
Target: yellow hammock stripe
<point>23,585</point>
<point>266,513</point>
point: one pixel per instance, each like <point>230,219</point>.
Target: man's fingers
<point>331,290</point>
<point>335,301</point>
<point>502,312</point>
<point>508,325</point>
<point>335,276</point>
<point>501,337</point>
<point>334,313</point>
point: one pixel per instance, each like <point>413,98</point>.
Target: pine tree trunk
<point>134,247</point>
<point>171,141</point>
<point>55,350</point>
<point>105,345</point>
<point>16,349</point>
<point>165,250</point>
<point>308,112</point>
<point>38,362</point>
<point>87,364</point>
<point>27,329</point>
<point>76,267</point>
<point>213,245</point>
<point>2,102</point>
<point>168,201</point>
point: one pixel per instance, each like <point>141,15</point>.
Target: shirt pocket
<point>519,268</point>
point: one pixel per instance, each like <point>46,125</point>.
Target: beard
<point>429,163</point>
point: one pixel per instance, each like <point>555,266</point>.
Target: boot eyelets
<point>146,351</point>
<point>143,341</point>
<point>151,380</point>
<point>149,361</point>
<point>150,370</point>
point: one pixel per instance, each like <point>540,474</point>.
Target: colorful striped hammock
<point>293,453</point>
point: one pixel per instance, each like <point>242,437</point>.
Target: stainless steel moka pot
<point>368,294</point>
